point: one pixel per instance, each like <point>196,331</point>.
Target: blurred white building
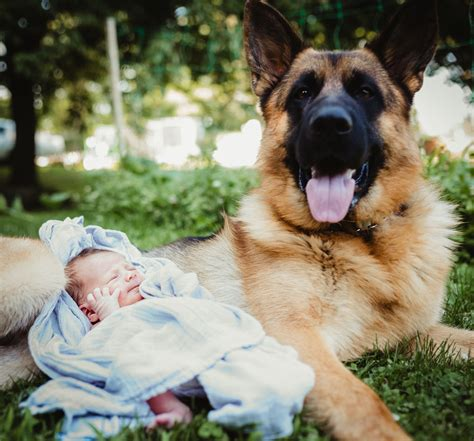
<point>172,140</point>
<point>443,111</point>
<point>239,149</point>
<point>47,144</point>
<point>99,149</point>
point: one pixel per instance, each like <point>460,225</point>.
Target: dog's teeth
<point>314,173</point>
<point>350,172</point>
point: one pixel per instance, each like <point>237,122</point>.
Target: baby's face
<point>111,270</point>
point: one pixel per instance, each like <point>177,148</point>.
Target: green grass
<point>431,392</point>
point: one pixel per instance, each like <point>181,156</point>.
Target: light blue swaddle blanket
<point>178,338</point>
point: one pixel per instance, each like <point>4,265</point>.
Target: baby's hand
<point>102,302</point>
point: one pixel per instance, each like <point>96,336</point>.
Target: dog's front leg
<point>460,341</point>
<point>343,404</point>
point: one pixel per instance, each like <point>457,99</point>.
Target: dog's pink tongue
<point>329,197</point>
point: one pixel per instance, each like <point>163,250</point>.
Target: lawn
<point>430,393</point>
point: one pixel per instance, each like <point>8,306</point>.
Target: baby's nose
<point>130,275</point>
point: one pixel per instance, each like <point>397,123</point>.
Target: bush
<point>187,200</point>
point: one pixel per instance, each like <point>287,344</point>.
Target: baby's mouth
<point>134,290</point>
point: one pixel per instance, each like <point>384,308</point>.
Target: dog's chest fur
<point>357,293</point>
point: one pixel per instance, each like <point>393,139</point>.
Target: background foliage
<point>180,45</point>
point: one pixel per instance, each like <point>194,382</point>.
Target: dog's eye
<point>365,93</point>
<point>302,93</point>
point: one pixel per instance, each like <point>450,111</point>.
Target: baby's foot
<point>102,302</point>
<point>180,414</point>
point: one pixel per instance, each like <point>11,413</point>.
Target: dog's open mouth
<point>331,197</point>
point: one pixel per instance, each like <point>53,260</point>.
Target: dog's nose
<point>331,120</point>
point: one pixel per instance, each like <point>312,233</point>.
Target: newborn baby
<point>101,282</point>
<point>124,340</point>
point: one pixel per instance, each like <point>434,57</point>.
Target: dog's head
<point>337,142</point>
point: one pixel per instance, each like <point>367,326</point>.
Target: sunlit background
<point>182,79</point>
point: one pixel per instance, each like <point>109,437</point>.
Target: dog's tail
<point>30,275</point>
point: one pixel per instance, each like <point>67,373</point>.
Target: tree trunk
<point>22,159</point>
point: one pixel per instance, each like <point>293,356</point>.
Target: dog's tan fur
<point>332,295</point>
<point>30,275</point>
<point>22,295</point>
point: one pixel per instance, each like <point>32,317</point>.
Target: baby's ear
<point>89,313</point>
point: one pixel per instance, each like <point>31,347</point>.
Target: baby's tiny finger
<point>97,293</point>
<point>90,299</point>
<point>105,291</point>
<point>116,292</point>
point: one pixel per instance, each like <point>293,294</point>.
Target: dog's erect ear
<point>271,44</point>
<point>407,44</point>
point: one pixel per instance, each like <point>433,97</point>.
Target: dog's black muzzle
<point>332,137</point>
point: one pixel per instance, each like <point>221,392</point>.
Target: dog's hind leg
<point>458,341</point>
<point>339,401</point>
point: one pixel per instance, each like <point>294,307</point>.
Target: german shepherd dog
<point>343,245</point>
